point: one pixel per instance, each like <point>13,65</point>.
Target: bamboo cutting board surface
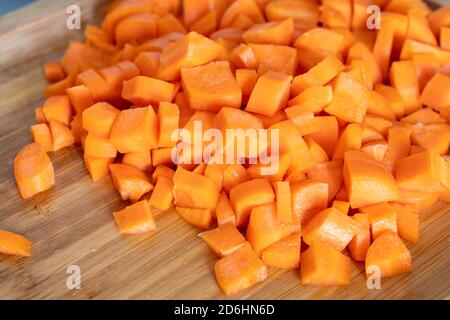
<point>72,224</point>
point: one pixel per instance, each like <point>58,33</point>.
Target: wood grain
<point>72,224</point>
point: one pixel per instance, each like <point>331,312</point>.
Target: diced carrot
<point>403,78</point>
<point>444,39</point>
<point>200,96</point>
<point>59,88</point>
<point>424,116</point>
<point>135,130</point>
<point>256,171</point>
<point>58,108</point>
<point>206,24</point>
<point>130,182</point>
<point>350,139</point>
<point>148,63</point>
<point>224,211</point>
<point>194,10</point>
<point>80,98</point>
<point>377,149</point>
<point>283,201</point>
<point>76,126</point>
<point>143,91</point>
<point>395,100</point>
<point>250,194</point>
<point>283,254</point>
<point>389,254</point>
<point>399,146</point>
<point>328,135</point>
<point>39,115</point>
<point>135,219</point>
<point>419,30</point>
<point>317,76</point>
<point>342,193</point>
<point>190,51</point>
<point>379,124</point>
<point>306,122</point>
<point>264,229</point>
<point>421,200</point>
<point>139,160</point>
<point>235,174</point>
<point>361,241</point>
<point>162,156</point>
<point>62,136</point>
<point>129,69</point>
<point>168,117</point>
<point>281,59</point>
<point>383,46</point>
<point>247,7</point>
<point>289,137</point>
<point>242,22</point>
<point>200,218</point>
<point>162,196</point>
<point>41,134</point>
<point>321,264</point>
<point>407,221</point>
<point>343,206</point>
<point>424,171</point>
<point>223,240</point>
<point>380,106</point>
<point>427,65</point>
<point>439,18</point>
<point>54,71</point>
<point>350,99</point>
<point>277,32</point>
<point>360,51</point>
<point>303,11</point>
<point>113,77</point>
<point>215,172</point>
<point>331,226</point>
<point>435,94</point>
<point>14,244</point>
<point>205,194</point>
<point>33,170</point>
<point>97,167</point>
<point>369,134</point>
<point>233,118</point>
<point>243,57</point>
<point>316,45</point>
<point>162,171</point>
<point>329,173</point>
<point>136,28</point>
<point>433,137</point>
<point>382,217</point>
<point>94,81</point>
<point>99,118</point>
<point>246,79</point>
<point>168,24</point>
<point>313,99</point>
<point>99,147</point>
<point>308,198</point>
<point>368,181</point>
<point>412,47</point>
<point>240,270</point>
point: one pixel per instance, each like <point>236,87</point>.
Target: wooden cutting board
<point>72,224</point>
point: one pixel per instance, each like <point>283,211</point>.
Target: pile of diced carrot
<point>362,114</point>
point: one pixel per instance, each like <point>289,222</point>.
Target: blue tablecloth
<point>10,5</point>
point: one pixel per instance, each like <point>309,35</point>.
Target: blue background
<point>10,5</point>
